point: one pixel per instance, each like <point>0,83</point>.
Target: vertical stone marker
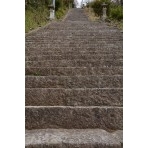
<point>51,9</point>
<point>104,11</point>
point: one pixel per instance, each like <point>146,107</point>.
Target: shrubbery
<point>117,13</point>
<point>113,11</point>
<point>60,13</point>
<point>61,7</point>
<point>36,3</point>
<point>37,12</point>
<point>97,6</point>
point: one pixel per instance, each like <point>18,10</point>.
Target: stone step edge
<point>76,107</point>
<point>79,88</point>
<point>99,67</point>
<point>77,76</point>
<point>81,138</point>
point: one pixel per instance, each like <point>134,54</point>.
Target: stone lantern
<point>104,11</point>
<point>51,9</point>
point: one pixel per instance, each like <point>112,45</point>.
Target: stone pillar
<point>104,13</point>
<point>52,15</point>
<point>104,16</point>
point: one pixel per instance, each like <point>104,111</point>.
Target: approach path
<point>74,84</point>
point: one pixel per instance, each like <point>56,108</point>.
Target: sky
<point>79,1</point>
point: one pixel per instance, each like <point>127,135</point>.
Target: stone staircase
<point>74,85</point>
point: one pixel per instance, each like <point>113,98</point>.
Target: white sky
<point>79,1</point>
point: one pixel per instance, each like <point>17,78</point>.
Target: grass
<point>93,17</point>
<point>61,13</point>
<point>35,18</point>
<point>38,17</point>
<point>116,23</point>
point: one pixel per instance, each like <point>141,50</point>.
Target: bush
<point>37,12</point>
<point>117,13</point>
<point>60,13</point>
<point>113,11</point>
<point>35,17</point>
<point>36,3</point>
<point>63,3</point>
<point>97,7</point>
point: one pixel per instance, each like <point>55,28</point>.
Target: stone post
<point>104,16</point>
<point>51,9</point>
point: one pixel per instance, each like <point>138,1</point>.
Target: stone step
<point>76,38</point>
<point>80,117</point>
<point>88,28</point>
<point>68,52</point>
<point>76,41</point>
<point>98,48</point>
<point>74,33</point>
<point>71,52</point>
<point>82,46</point>
<point>73,97</point>
<point>74,45</point>
<point>107,47</point>
<point>73,71</point>
<point>74,81</point>
<point>75,63</point>
<point>78,34</point>
<point>72,138</point>
<point>72,26</point>
<point>91,33</point>
<point>73,57</point>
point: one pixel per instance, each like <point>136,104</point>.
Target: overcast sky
<point>79,1</point>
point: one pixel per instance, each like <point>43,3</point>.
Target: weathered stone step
<point>73,26</point>
<point>74,33</point>
<point>74,81</point>
<point>91,29</point>
<point>107,47</point>
<point>42,117</point>
<point>72,138</point>
<point>73,71</point>
<point>68,52</point>
<point>99,49</point>
<point>73,97</point>
<point>75,40</point>
<point>75,63</point>
<point>72,40</point>
<point>74,45</point>
<point>74,37</point>
<point>65,52</point>
<point>73,57</point>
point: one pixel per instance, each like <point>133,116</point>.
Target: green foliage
<point>37,12</point>
<point>113,11</point>
<point>61,7</point>
<point>60,13</point>
<point>117,13</point>
<point>37,3</point>
<point>59,4</point>
<point>97,6</point>
<point>62,4</point>
<point>35,17</point>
